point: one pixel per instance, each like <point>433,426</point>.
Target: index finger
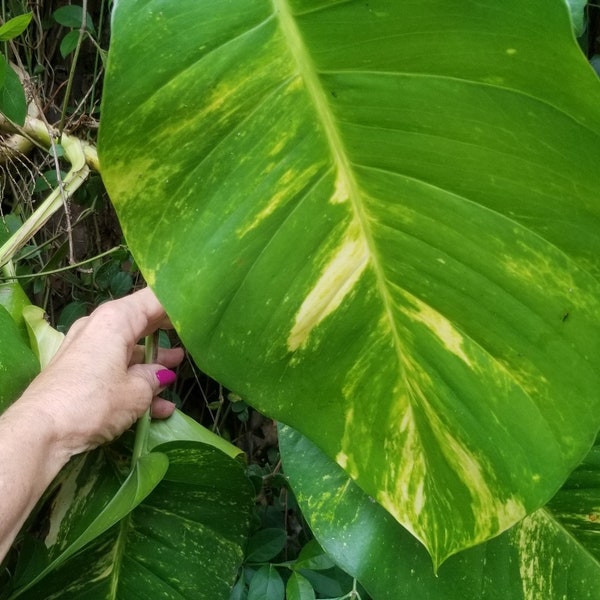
<point>131,317</point>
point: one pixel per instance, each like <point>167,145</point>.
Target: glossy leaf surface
<point>184,541</point>
<point>577,10</point>
<point>18,364</point>
<point>552,554</point>
<point>393,250</point>
<point>180,427</point>
<point>13,103</point>
<point>78,517</point>
<point>266,584</point>
<point>299,588</point>
<point>14,27</point>
<point>14,300</point>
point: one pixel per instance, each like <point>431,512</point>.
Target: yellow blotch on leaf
<point>441,327</point>
<point>337,280</point>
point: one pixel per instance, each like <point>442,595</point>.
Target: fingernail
<point>166,377</point>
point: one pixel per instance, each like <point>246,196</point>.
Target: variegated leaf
<point>184,541</point>
<point>377,221</point>
<point>552,554</point>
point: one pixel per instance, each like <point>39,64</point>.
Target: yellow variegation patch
<point>336,281</point>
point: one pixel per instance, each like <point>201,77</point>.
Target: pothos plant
<point>377,223</point>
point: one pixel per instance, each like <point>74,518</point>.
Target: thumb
<point>155,376</point>
<point>164,378</point>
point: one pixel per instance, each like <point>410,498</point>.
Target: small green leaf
<point>47,180</point>
<point>121,284</point>
<point>72,16</point>
<point>266,585</point>
<point>13,103</point>
<point>3,69</point>
<point>239,591</point>
<point>14,27</point>
<point>577,10</point>
<point>69,314</point>
<point>333,583</point>
<point>163,339</point>
<point>104,273</point>
<point>69,43</point>
<point>9,224</point>
<point>265,544</point>
<point>59,150</point>
<point>313,557</point>
<point>299,588</point>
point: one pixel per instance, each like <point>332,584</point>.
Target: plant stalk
<point>79,156</point>
<point>140,446</point>
<point>82,30</point>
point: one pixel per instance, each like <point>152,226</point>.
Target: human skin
<point>95,388</point>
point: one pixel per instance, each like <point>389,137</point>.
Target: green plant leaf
<point>185,540</point>
<point>18,364</point>
<point>13,103</point>
<point>239,591</point>
<point>72,16</point>
<point>394,251</point>
<point>299,588</point>
<point>14,300</point>
<point>266,585</point>
<point>333,583</point>
<point>69,43</point>
<point>3,69</point>
<point>78,517</point>
<point>577,10</point>
<point>43,338</point>
<point>180,427</point>
<point>15,27</point>
<point>265,544</point>
<point>312,557</point>
<point>552,554</point>
<point>70,313</point>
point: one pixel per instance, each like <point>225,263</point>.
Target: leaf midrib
<point>118,552</point>
<point>308,74</point>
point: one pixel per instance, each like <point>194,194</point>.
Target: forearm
<point>95,388</point>
<point>30,458</point>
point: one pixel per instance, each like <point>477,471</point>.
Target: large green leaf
<point>183,541</point>
<point>77,517</point>
<point>18,364</point>
<point>377,221</point>
<point>552,554</point>
<point>14,299</point>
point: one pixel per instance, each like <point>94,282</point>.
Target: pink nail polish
<point>165,377</point>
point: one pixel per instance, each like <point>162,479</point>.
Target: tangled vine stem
<point>83,158</point>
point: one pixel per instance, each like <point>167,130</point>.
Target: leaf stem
<point>82,30</point>
<point>143,424</point>
<point>76,154</point>
<point>69,267</point>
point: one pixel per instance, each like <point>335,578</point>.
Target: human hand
<point>97,386</point>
